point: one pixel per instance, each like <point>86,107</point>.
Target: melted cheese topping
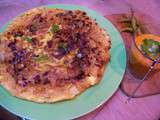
<point>91,79</point>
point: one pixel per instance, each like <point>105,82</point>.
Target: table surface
<point>116,108</point>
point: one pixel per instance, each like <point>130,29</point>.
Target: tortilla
<point>49,55</point>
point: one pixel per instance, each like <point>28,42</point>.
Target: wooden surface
<point>116,108</point>
<point>137,109</point>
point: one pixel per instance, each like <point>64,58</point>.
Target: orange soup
<point>141,55</point>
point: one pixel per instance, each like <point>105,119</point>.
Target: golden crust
<point>47,93</point>
<point>41,94</point>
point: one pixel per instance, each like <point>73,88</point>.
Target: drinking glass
<point>138,65</point>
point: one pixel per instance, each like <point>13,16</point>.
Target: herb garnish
<point>132,25</point>
<point>63,45</point>
<point>41,58</point>
<point>54,28</point>
<point>151,48</point>
<point>28,39</point>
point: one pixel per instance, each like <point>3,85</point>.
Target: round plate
<point>91,98</point>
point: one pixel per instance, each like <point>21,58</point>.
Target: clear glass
<point>138,65</point>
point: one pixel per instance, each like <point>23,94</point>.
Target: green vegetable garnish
<point>63,45</point>
<point>127,29</point>
<point>28,39</point>
<point>132,25</point>
<point>54,28</point>
<point>125,20</point>
<point>151,48</point>
<point>41,58</point>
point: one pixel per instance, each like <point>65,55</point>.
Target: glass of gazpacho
<point>143,51</point>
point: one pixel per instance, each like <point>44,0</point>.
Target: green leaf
<point>151,48</point>
<point>134,23</point>
<point>127,29</point>
<point>28,39</point>
<point>54,28</point>
<point>125,20</point>
<point>144,49</point>
<point>63,45</point>
<point>41,58</point>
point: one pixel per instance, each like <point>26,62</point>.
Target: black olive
<point>80,76</point>
<point>98,64</point>
<point>18,56</point>
<point>24,84</point>
<point>74,16</point>
<point>12,46</point>
<point>37,79</point>
<point>23,78</point>
<point>70,12</point>
<point>46,81</point>
<point>41,19</point>
<point>50,43</point>
<point>34,41</point>
<point>17,34</point>
<point>83,13</point>
<point>32,28</point>
<point>87,18</point>
<point>46,73</point>
<point>93,49</point>
<point>59,53</point>
<point>59,14</point>
<point>65,18</point>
